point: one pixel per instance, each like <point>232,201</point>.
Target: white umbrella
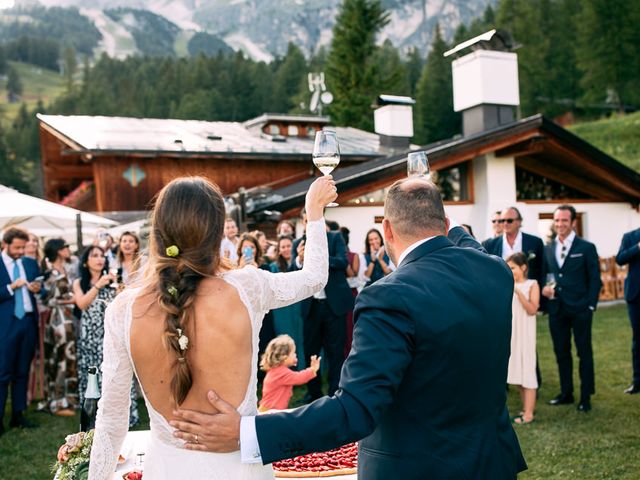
<point>44,218</point>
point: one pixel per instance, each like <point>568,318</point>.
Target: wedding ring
<point>196,439</point>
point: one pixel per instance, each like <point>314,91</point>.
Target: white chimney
<point>485,81</point>
<point>393,120</point>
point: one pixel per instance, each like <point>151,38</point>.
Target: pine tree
<point>389,72</point>
<point>14,85</point>
<point>3,61</point>
<point>414,65</point>
<point>289,78</point>
<point>349,66</point>
<point>70,65</point>
<point>434,117</point>
<point>607,53</point>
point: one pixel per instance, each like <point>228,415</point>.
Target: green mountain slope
<point>37,84</point>
<point>618,136</point>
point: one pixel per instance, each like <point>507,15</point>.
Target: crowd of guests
<point>322,323</point>
<point>562,278</point>
<point>52,307</point>
<point>60,302</point>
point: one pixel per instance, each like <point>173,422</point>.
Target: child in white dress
<point>522,362</point>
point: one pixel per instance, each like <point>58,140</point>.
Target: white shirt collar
<point>569,240</point>
<point>8,261</point>
<point>507,251</point>
<point>411,248</point>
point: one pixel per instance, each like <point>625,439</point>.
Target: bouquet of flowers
<point>73,457</point>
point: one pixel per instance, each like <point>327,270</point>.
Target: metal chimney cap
<point>496,39</point>
<point>393,100</point>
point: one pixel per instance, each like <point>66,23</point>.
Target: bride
<point>193,326</point>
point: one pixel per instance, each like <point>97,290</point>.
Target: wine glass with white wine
<point>326,153</point>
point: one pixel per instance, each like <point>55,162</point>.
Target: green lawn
<point>560,444</point>
<point>619,136</point>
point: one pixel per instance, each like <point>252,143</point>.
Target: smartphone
<point>247,252</point>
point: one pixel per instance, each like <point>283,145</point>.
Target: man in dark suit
<point>514,240</point>
<point>423,386</point>
<point>18,324</point>
<point>325,314</point>
<point>572,301</point>
<point>496,226</point>
<point>629,254</point>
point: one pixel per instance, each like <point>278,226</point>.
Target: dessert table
<point>135,446</point>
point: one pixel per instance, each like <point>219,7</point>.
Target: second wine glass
<point>326,153</point>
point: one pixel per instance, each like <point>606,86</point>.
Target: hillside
<point>38,84</point>
<point>619,136</point>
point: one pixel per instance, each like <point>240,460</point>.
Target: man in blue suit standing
<point>574,262</point>
<point>325,314</point>
<point>629,254</point>
<point>423,386</point>
<point>18,324</point>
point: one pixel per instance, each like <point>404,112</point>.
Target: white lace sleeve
<point>266,291</point>
<point>112,421</point>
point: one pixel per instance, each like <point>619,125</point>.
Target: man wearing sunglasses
<point>572,301</point>
<point>513,240</point>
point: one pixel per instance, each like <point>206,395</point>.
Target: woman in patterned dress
<point>93,293</point>
<point>61,377</point>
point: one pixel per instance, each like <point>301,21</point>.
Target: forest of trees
<point>574,55</point>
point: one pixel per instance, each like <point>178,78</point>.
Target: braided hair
<point>188,214</point>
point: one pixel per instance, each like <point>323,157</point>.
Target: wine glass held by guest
<point>378,262</point>
<point>60,335</point>
<point>194,323</point>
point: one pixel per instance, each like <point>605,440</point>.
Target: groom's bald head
<point>414,208</point>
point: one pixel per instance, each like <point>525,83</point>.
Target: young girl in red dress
<point>280,379</point>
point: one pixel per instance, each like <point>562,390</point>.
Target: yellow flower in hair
<point>172,251</point>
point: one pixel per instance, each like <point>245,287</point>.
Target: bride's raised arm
<point>112,420</point>
<point>275,290</point>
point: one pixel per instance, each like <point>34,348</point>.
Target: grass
<point>619,136</point>
<point>560,444</point>
<point>37,84</point>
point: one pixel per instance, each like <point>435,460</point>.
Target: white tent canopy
<point>44,218</point>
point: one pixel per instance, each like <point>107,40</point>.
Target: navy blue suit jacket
<point>425,336</point>
<point>578,282</point>
<point>629,253</point>
<point>339,296</point>
<point>532,247</point>
<point>7,301</point>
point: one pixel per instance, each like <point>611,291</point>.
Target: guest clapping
<point>280,379</point>
<point>376,259</point>
<point>522,362</point>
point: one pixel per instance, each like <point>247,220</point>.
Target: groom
<point>423,386</point>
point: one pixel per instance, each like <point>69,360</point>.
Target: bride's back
<point>219,351</point>
<point>190,332</point>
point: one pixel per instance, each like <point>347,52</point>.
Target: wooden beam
<point>562,175</point>
<point>594,170</point>
<point>531,146</point>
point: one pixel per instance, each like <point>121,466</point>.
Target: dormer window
<point>273,129</point>
<point>293,131</point>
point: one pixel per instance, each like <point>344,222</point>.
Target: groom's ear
<point>387,231</point>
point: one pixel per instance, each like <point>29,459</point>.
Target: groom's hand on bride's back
<point>209,432</point>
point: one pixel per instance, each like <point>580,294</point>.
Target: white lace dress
<point>260,291</point>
